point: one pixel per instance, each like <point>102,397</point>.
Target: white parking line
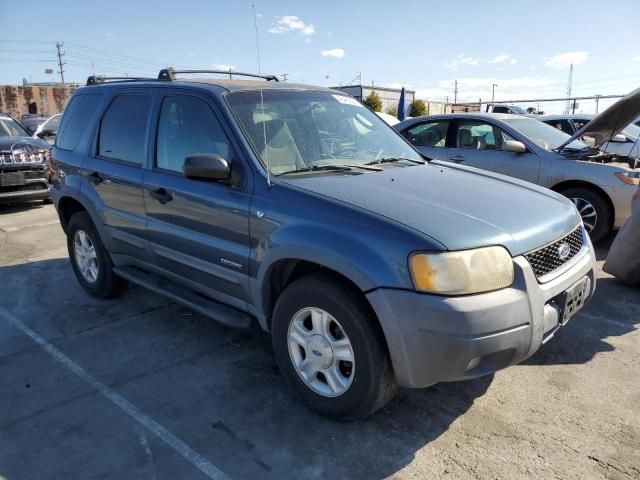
<point>158,430</point>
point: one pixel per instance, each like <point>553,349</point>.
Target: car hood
<point>610,122</point>
<point>460,207</point>
<point>6,143</point>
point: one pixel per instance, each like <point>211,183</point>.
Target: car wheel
<point>594,210</point>
<point>331,350</point>
<point>90,260</point>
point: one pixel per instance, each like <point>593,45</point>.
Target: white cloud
<point>461,59</point>
<point>503,57</point>
<point>224,66</point>
<point>307,40</point>
<point>259,15</point>
<point>563,60</point>
<point>291,23</point>
<point>481,82</point>
<point>334,52</point>
<point>513,61</point>
<point>109,34</point>
<point>191,54</point>
<point>636,59</point>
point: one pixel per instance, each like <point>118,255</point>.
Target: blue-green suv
<point>298,208</point>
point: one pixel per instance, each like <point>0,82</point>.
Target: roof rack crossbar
<point>96,79</point>
<point>170,74</point>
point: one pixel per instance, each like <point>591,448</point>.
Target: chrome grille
<point>8,158</point>
<point>547,259</point>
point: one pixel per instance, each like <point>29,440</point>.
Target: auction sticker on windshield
<point>348,100</point>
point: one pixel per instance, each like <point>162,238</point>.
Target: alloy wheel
<point>321,352</point>
<point>587,213</point>
<point>85,255</point>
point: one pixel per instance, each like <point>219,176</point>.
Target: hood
<point>610,122</point>
<point>460,207</point>
<point>6,143</point>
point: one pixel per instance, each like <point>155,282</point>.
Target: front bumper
<point>621,196</point>
<point>435,338</point>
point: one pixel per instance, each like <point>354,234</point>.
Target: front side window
<point>478,135</point>
<point>292,130</point>
<point>188,126</point>
<point>123,130</point>
<point>430,134</point>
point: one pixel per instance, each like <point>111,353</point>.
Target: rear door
<point>198,230</point>
<point>478,143</point>
<point>429,138</point>
<point>114,171</point>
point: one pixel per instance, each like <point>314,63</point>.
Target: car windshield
<point>517,109</point>
<point>10,128</point>
<point>298,130</point>
<point>543,135</point>
<point>631,130</point>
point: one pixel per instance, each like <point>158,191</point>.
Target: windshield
<point>303,129</point>
<point>517,109</point>
<point>10,128</point>
<point>543,135</point>
<point>631,130</point>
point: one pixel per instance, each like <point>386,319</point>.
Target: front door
<point>479,144</point>
<point>198,230</point>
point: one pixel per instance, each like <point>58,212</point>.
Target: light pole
<point>493,90</point>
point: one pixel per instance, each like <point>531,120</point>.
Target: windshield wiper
<point>318,168</point>
<point>396,159</point>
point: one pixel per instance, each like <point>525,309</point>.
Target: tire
<point>588,202</point>
<point>106,283</point>
<point>369,376</point>
<point>47,201</point>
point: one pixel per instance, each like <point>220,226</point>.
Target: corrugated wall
<point>45,99</point>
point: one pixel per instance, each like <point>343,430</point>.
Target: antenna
<point>567,106</point>
<point>264,125</point>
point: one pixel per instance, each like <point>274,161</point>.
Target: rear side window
<point>432,134</point>
<point>123,130</point>
<point>75,119</point>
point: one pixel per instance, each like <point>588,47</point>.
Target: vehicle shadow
<point>199,376</point>
<point>6,209</point>
<point>613,311</point>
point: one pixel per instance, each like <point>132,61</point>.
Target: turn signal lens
<point>462,272</point>
<point>630,178</point>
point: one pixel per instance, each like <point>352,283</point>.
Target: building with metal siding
<point>391,97</point>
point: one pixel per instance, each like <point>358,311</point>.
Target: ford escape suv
<point>298,208</point>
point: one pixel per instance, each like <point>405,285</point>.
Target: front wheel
<point>331,350</point>
<point>594,211</point>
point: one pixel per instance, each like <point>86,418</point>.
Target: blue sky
<point>524,47</point>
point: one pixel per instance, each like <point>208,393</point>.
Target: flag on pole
<point>401,114</point>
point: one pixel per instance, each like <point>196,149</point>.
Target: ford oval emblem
<point>564,251</point>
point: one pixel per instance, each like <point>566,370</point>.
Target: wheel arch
<point>587,185</point>
<point>67,207</point>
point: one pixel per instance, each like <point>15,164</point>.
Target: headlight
<point>630,178</point>
<point>462,272</point>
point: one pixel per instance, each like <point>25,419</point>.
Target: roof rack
<point>169,74</point>
<point>95,79</point>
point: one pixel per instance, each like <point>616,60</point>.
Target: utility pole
<point>597,102</point>
<point>493,91</point>
<point>285,77</point>
<point>455,92</point>
<point>567,107</point>
<point>59,45</point>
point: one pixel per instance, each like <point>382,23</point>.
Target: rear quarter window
<point>75,120</point>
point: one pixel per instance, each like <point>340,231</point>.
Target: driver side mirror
<point>513,146</point>
<point>205,166</point>
<point>46,134</point>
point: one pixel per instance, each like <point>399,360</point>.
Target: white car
<point>49,129</point>
<point>624,144</point>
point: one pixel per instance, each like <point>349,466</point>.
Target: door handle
<point>94,177</point>
<point>161,195</point>
<point>457,158</point>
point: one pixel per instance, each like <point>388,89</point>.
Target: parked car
<point>599,184</point>
<point>299,208</point>
<point>24,169</point>
<point>49,129</point>
<point>32,121</point>
<point>389,119</point>
<point>624,144</point>
<point>510,109</point>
